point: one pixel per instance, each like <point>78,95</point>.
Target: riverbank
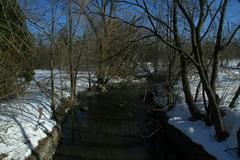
<point>47,146</point>
<point>181,144</point>
<point>26,120</point>
<point>198,131</point>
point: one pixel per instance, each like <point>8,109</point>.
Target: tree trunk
<point>88,71</point>
<point>52,62</point>
<point>215,113</point>
<point>171,59</point>
<point>170,83</point>
<point>52,82</point>
<point>185,82</point>
<point>73,94</point>
<point>211,94</point>
<point>197,92</point>
<point>187,90</point>
<point>60,77</point>
<point>216,53</point>
<point>234,100</point>
<point>214,74</point>
<point>238,139</point>
<point>197,51</point>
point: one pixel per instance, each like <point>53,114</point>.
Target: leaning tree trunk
<point>203,73</point>
<point>217,49</point>
<point>197,92</point>
<point>234,100</point>
<point>187,90</point>
<point>215,113</point>
<point>211,94</point>
<point>185,81</point>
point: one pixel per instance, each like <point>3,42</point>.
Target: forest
<point>182,57</point>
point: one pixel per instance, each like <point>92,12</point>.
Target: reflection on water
<point>107,131</point>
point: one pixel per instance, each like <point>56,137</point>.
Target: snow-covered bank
<point>27,119</point>
<point>198,131</point>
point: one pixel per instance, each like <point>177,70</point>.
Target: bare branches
<point>231,38</point>
<point>188,17</point>
<point>153,31</point>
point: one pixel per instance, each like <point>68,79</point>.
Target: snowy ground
<point>21,126</point>
<point>198,131</point>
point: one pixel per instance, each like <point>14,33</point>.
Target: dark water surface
<point>112,129</point>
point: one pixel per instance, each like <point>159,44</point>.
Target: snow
<point>144,70</point>
<point>128,79</point>
<point>198,131</point>
<point>21,126</point>
<point>233,63</point>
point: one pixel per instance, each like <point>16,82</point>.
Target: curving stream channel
<point>114,128</point>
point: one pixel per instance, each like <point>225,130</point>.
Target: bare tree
<point>196,34</point>
<point>53,17</point>
<point>184,75</point>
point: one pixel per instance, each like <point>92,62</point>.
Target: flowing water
<point>112,129</point>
